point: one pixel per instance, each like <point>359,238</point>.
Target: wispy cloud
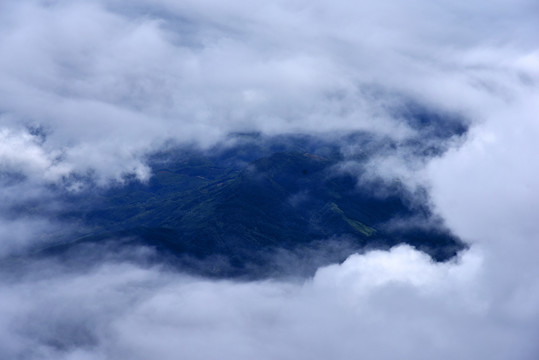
<point>109,83</point>
<point>88,89</point>
<point>374,305</point>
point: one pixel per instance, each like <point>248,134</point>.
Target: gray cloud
<point>374,305</point>
<point>87,89</point>
<point>110,84</point>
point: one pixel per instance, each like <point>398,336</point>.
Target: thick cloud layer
<point>87,89</point>
<point>105,83</point>
<point>380,305</point>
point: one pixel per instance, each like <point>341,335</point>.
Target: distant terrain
<point>257,206</point>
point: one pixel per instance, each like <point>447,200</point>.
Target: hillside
<point>245,206</point>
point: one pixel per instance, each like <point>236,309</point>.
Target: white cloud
<point>108,82</point>
<point>111,82</point>
<point>374,306</point>
<point>21,153</point>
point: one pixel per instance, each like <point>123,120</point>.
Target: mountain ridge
<point>201,205</point>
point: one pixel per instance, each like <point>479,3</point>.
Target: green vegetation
<point>241,205</point>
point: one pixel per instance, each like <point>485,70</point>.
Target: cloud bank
<point>380,305</point>
<point>87,89</point>
<point>106,82</point>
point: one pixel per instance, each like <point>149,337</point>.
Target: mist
<point>90,90</point>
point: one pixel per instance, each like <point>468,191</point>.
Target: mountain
<point>240,210</point>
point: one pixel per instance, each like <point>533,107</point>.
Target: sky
<point>89,88</point>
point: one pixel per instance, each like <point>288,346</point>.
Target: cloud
<point>111,83</point>
<point>374,305</point>
<point>21,153</point>
<point>88,89</point>
<point>487,191</point>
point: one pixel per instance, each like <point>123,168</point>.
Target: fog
<point>89,89</point>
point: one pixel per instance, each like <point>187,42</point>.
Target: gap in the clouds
<point>261,206</point>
